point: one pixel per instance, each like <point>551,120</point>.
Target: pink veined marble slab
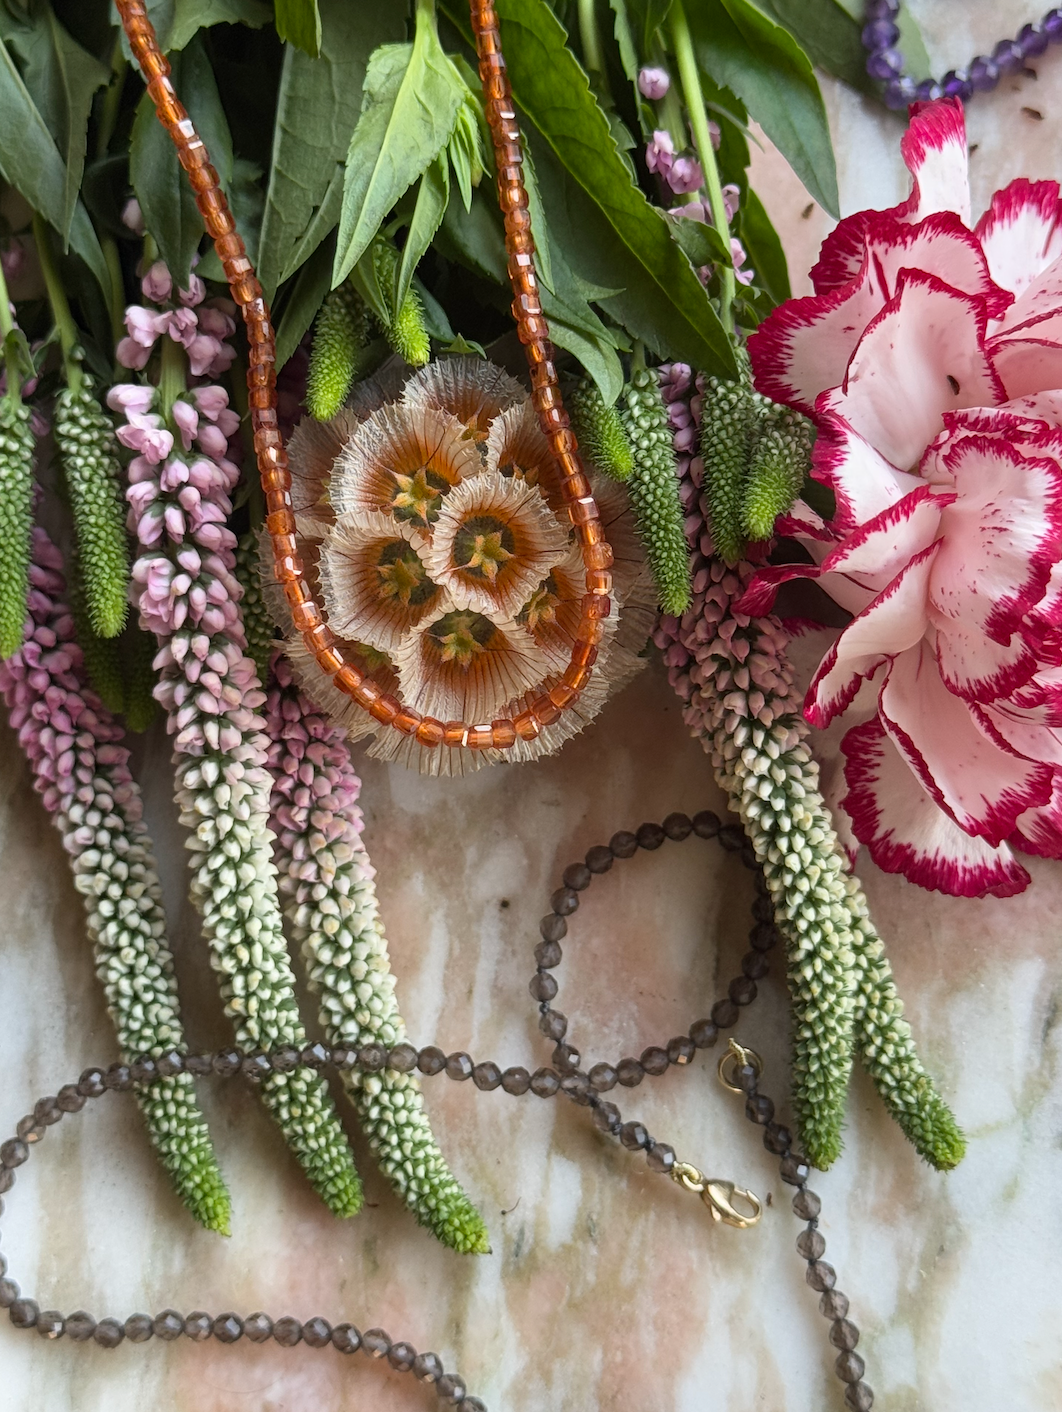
<point>607,1288</point>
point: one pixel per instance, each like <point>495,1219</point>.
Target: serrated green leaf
<point>621,28</point>
<point>433,194</point>
<point>646,18</point>
<point>33,166</point>
<point>613,237</point>
<point>539,224</point>
<point>311,285</point>
<point>461,161</point>
<point>178,21</point>
<point>318,104</point>
<point>702,243</point>
<point>763,248</point>
<point>162,188</point>
<point>61,78</point>
<point>829,34</point>
<point>412,98</point>
<point>299,22</point>
<point>741,47</point>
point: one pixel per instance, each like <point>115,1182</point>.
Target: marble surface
<point>608,1288</point>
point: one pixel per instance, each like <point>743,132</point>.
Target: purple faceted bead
<point>899,92</point>
<point>984,74</point>
<point>885,63</point>
<point>1008,56</point>
<point>879,34</point>
<point>881,10</point>
<point>956,84</point>
<point>1032,39</point>
<point>1052,23</point>
<point>928,91</point>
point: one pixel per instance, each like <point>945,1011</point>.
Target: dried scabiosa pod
<point>431,517</point>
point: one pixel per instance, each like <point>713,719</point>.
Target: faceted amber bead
<point>597,554</point>
<point>282,521</point>
<point>385,709</point>
<point>599,581</point>
<point>480,738</point>
<point>319,640</point>
<point>562,695</point>
<point>576,486</point>
<point>306,616</point>
<point>576,675</point>
<point>596,606</point>
<point>526,726</point>
<point>583,510</point>
<point>503,734</point>
<point>545,711</point>
<point>349,678</point>
<point>430,731</point>
<point>455,733</point>
<point>407,721</point>
<point>279,502</point>
<point>330,660</point>
<point>584,653</point>
<point>287,569</point>
<point>296,591</point>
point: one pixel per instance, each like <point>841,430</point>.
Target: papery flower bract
<point>931,359</point>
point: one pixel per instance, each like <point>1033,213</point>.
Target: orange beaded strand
<point>272,459</point>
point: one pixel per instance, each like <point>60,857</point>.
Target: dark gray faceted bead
<point>630,1073</point>
<point>258,1327</point>
<point>806,1205</point>
<point>451,1389</point>
<point>69,1100</point>
<point>315,1055</point>
<point>170,1063</point>
<point>794,1171</point>
<point>139,1328</point>
<point>603,1077</point>
<point>8,1293</point>
<point>548,954</point>
<point>51,1324</point>
<point>725,1013</point>
<point>23,1313</point>
<point>810,1244</point>
<point>755,965</point>
<point>516,1080</point>
<point>552,927</point>
<point>13,1152</point>
<point>80,1326</point>
<point>431,1060</point>
<point>634,1136</point>
<point>650,836</point>
<point>858,1398</point>
<point>607,1118</point>
<point>92,1083</point>
<point>565,901</point>
<point>544,1083</point>
<point>473,1404</point>
<point>742,990</point>
<point>376,1343</point>
<point>844,1334</point>
<point>372,1057</point>
<point>821,1275</point>
<point>109,1333</point>
<point>427,1367</point>
<point>660,1157</point>
<point>7,1179</point>
<point>403,1058</point>
<point>285,1059</point>
<point>706,824</point>
<point>623,844</point>
<point>654,1060</point>
<point>287,1331</point>
<point>577,876</point>
<point>200,1065</point>
<point>198,1326</point>
<point>459,1066</point>
<point>553,1024</point>
<point>486,1076</point>
<point>47,1111</point>
<point>566,1058</point>
<point>29,1130</point>
<point>226,1063</point>
<point>681,1049</point>
<point>401,1356</point>
<point>169,1325</point>
<point>599,859</point>
<point>834,1304</point>
<point>849,1367</point>
<point>759,1108</point>
<point>144,1070</point>
<point>228,1328</point>
<point>777,1139</point>
<point>346,1338</point>
<point>256,1067</point>
<point>543,986</point>
<point>118,1079</point>
<point>317,1332</point>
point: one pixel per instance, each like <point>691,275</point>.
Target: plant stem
<point>702,138</point>
<point>593,56</point>
<point>64,320</point>
<point>172,379</point>
<point>7,325</point>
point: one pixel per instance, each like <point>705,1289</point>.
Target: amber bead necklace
<point>739,1070</point>
<point>307,617</point>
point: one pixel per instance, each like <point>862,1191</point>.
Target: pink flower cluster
<point>200,328</point>
<point>683,173</point>
<point>63,728</point>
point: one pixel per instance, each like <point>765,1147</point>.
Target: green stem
<point>593,55</point>
<point>173,378</point>
<point>702,139</point>
<point>111,103</point>
<point>116,302</point>
<point>64,320</point>
<point>7,325</point>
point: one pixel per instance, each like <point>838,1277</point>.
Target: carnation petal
<point>1039,831</point>
<point>977,668</point>
<point>922,356</point>
<point>1001,534</point>
<point>863,482</point>
<point>981,786</point>
<point>893,622</point>
<point>1025,366</point>
<point>878,549</point>
<point>1021,232</point>
<point>1032,731</point>
<point>934,149</point>
<point>906,832</point>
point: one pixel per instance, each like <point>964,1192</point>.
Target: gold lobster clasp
<point>719,1196</point>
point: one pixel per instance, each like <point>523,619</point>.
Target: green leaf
<point>307,295</point>
<point>245,197</point>
<point>433,194</point>
<point>317,110</point>
<point>702,243</point>
<point>621,28</point>
<point>613,237</point>
<point>299,22</point>
<point>412,97</point>
<point>162,188</point>
<point>539,224</point>
<point>829,34</point>
<point>61,77</point>
<point>177,21</point>
<point>763,248</point>
<point>744,49</point>
<point>646,18</point>
<point>31,163</point>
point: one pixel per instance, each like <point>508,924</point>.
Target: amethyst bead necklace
<point>739,1071</point>
<point>886,63</point>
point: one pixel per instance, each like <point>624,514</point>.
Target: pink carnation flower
<point>930,358</point>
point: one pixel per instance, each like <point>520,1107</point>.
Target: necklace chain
<point>886,63</point>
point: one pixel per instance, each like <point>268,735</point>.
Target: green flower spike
<point>599,430</point>
<point>88,451</point>
<point>407,331</point>
<point>341,334</point>
<point>653,488</point>
<point>257,622</point>
<point>781,456</point>
<point>102,655</point>
<point>331,909</point>
<point>16,495</point>
<point>727,422</point>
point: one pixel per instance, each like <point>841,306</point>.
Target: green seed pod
<point>407,333</point>
<point>600,433</point>
<point>16,506</point>
<point>653,486</point>
<point>102,655</point>
<point>726,425</point>
<point>780,459</point>
<point>340,336</point>
<point>89,455</point>
<point>257,621</point>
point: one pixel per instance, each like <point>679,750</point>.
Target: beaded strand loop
<point>544,708</point>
